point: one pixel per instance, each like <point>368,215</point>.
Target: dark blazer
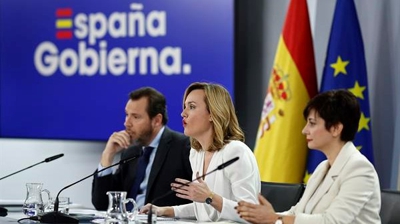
<point>171,161</point>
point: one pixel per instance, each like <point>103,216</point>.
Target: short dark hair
<point>156,102</point>
<point>337,106</point>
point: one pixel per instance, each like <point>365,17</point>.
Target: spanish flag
<point>281,149</point>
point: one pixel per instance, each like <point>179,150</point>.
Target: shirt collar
<point>156,140</point>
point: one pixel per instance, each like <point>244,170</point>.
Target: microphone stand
<point>3,211</point>
<point>220,167</point>
<point>58,217</point>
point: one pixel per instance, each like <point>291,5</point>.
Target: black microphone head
<point>53,157</point>
<point>129,159</point>
<point>222,166</point>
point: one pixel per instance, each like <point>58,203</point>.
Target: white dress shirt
<point>238,181</point>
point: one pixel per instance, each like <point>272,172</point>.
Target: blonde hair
<point>224,121</point>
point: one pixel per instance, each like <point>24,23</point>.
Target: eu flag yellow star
<point>363,124</point>
<point>340,66</point>
<point>357,90</point>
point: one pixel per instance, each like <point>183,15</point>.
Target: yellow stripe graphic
<point>63,23</point>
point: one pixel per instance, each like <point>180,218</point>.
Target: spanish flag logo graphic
<point>64,23</point>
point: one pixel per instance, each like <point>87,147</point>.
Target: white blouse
<point>238,181</point>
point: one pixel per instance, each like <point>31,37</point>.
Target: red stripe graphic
<point>64,34</point>
<point>64,12</point>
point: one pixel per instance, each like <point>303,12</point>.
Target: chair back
<point>282,196</point>
<point>390,207</point>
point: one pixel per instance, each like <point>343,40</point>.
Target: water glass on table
<point>63,205</point>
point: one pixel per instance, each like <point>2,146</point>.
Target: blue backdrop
<point>66,67</point>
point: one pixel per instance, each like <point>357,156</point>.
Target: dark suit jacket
<point>171,161</point>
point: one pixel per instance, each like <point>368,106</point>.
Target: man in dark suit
<point>168,155</point>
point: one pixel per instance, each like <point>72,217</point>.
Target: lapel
<point>161,154</point>
<point>315,180</point>
<point>340,161</point>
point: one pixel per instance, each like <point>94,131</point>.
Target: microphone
<point>57,217</point>
<point>44,161</point>
<point>53,157</point>
<point>220,167</point>
<point>3,211</point>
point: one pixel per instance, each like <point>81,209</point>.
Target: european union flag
<point>345,69</point>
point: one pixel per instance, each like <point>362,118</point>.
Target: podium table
<point>93,216</point>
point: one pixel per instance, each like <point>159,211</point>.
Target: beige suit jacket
<point>350,192</point>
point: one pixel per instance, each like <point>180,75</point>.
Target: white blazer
<point>349,194</point>
<point>238,181</point>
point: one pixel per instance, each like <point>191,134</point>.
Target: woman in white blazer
<point>344,189</point>
<point>210,120</point>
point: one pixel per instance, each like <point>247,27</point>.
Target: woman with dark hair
<point>345,187</point>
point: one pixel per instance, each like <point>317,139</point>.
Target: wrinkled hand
<point>116,143</point>
<point>195,191</point>
<point>259,214</point>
